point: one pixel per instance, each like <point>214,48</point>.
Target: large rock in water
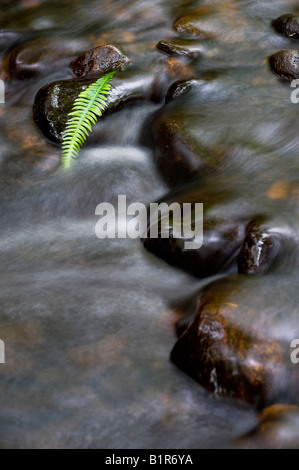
<point>223,237</point>
<point>188,26</point>
<point>42,56</point>
<point>260,250</point>
<point>177,154</point>
<point>227,151</point>
<point>54,101</point>
<point>188,139</point>
<point>239,344</point>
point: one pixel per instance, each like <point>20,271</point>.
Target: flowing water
<point>88,324</point>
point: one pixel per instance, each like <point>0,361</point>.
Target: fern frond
<point>88,107</point>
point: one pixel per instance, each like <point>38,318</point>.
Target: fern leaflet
<point>88,107</point>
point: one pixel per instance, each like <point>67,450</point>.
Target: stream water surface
<point>89,324</point>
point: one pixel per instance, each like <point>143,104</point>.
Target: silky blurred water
<point>88,324</point>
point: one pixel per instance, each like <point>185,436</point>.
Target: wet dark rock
<point>259,250</point>
<point>178,88</point>
<point>186,26</point>
<point>176,50</point>
<point>222,239</point>
<point>180,147</point>
<point>177,156</point>
<point>100,60</point>
<point>188,136</point>
<point>54,101</point>
<point>179,68</point>
<point>235,349</point>
<point>278,428</point>
<point>218,255</point>
<point>287,25</point>
<point>41,56</point>
<point>285,64</point>
<point>175,160</point>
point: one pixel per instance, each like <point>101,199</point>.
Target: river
<point>89,324</point>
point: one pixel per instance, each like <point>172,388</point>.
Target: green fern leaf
<point>88,107</point>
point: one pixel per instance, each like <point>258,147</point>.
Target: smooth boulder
<point>44,56</point>
<point>100,60</point>
<point>285,64</point>
<point>54,102</point>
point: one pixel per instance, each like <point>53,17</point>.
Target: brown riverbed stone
<point>102,59</point>
<point>239,348</point>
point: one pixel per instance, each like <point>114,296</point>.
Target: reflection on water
<point>89,325</point>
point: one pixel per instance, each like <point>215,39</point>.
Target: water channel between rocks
<point>89,325</point>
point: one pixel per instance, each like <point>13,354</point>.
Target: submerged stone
<point>186,26</point>
<point>259,251</point>
<point>175,159</point>
<point>278,428</point>
<point>178,155</point>
<point>54,102</point>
